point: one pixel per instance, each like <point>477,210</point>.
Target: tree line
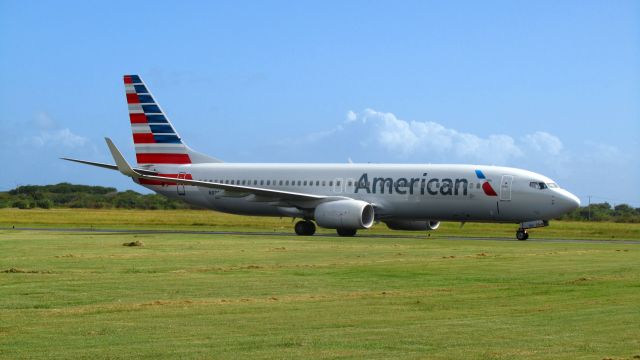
<point>605,212</point>
<point>65,195</point>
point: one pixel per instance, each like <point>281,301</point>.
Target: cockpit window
<point>538,185</point>
<point>553,186</point>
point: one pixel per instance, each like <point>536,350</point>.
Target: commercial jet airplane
<point>345,197</point>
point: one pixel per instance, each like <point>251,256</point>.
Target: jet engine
<point>414,225</point>
<point>344,214</point>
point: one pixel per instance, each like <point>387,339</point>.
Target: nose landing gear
<point>522,233</point>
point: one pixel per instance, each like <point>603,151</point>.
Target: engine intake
<point>345,214</point>
<point>413,225</point>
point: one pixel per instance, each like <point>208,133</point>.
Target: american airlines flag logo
<point>486,186</point>
<point>155,140</point>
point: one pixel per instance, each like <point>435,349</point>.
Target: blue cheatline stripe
<point>156,119</point>
<point>151,108</point>
<point>145,99</point>
<point>162,129</point>
<point>479,174</point>
<point>135,78</point>
<point>140,89</point>
<point>167,139</point>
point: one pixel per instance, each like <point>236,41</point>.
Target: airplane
<point>345,197</point>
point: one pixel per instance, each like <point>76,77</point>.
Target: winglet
<point>121,163</point>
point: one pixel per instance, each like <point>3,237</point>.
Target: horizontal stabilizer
<point>109,166</point>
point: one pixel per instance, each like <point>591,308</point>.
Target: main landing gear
<point>305,228</point>
<point>346,232</point>
<point>308,228</point>
<point>522,234</point>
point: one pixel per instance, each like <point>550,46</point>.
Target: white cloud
<point>543,141</point>
<point>351,116</point>
<point>374,136</point>
<point>428,137</point>
<point>49,134</point>
<point>62,137</point>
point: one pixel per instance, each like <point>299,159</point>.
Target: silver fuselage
<point>419,192</point>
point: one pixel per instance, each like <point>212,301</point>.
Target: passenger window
<point>287,183</point>
<point>280,182</point>
<point>338,183</point>
<point>304,183</point>
<point>330,183</point>
<point>478,186</point>
<point>299,183</point>
<point>323,183</point>
<point>349,183</point>
<point>317,182</point>
<point>268,182</point>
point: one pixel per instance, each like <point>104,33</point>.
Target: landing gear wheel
<point>305,228</point>
<point>522,234</point>
<point>346,232</point>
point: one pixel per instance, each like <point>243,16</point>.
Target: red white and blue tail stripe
<point>155,139</point>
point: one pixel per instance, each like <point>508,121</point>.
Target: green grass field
<point>85,295</point>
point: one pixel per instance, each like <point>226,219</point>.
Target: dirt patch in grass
<point>580,280</point>
<point>22,271</point>
<point>133,243</point>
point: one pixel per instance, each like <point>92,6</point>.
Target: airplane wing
<point>261,194</point>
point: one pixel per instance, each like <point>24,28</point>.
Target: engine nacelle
<point>344,214</point>
<point>413,225</point>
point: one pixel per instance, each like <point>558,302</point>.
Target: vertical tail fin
<point>156,140</point>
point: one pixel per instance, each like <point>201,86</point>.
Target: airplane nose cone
<point>569,201</point>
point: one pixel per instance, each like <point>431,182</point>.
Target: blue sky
<point>550,86</point>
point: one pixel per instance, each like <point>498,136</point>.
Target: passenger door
<point>505,187</point>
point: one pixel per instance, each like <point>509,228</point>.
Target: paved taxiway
<point>258,233</point>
